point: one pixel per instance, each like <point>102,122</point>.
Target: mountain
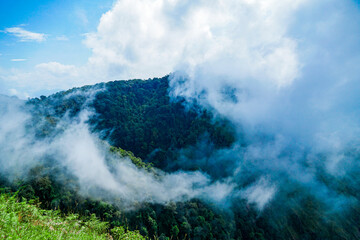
<point>139,116</point>
<point>140,160</point>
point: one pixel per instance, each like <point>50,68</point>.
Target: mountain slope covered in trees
<point>139,116</point>
<point>137,120</point>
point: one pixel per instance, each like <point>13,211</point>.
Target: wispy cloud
<point>82,16</point>
<point>26,36</point>
<point>62,38</point>
<point>18,59</point>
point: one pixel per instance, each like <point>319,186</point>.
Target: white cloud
<point>82,16</point>
<point>21,95</point>
<point>235,40</point>
<point>86,156</point>
<point>44,77</point>
<point>56,68</point>
<point>18,59</point>
<point>24,35</point>
<point>260,193</point>
<point>292,71</point>
<point>62,38</point>
<point>152,38</point>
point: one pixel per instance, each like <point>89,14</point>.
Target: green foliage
<point>174,231</point>
<point>139,116</point>
<point>119,233</point>
<point>127,154</point>
<point>188,220</point>
<point>21,220</point>
<point>142,118</point>
<point>136,115</point>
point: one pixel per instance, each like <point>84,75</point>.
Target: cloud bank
<point>260,40</point>
<point>151,38</point>
<point>291,87</point>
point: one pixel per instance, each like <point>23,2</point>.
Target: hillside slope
<point>139,116</point>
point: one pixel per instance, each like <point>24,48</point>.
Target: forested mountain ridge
<point>136,115</point>
<point>162,133</point>
<point>139,116</point>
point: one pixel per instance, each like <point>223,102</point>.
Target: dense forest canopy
<point>139,116</point>
<point>148,133</point>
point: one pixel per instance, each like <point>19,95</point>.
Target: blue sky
<point>52,45</point>
<point>62,21</point>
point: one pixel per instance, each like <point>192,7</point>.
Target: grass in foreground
<point>22,220</point>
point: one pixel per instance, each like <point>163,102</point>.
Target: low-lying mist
<point>75,148</point>
<point>293,95</point>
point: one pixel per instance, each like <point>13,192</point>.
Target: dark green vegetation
<point>193,219</point>
<point>140,117</point>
